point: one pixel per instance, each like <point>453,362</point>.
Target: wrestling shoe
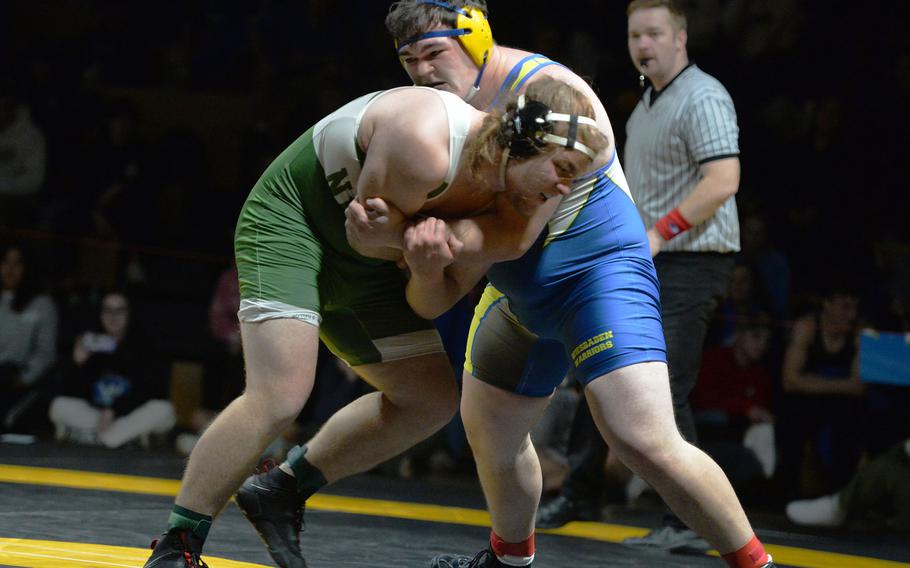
<point>176,549</point>
<point>270,502</point>
<point>562,510</point>
<point>483,559</point>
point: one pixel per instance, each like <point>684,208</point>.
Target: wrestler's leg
<point>633,409</point>
<point>280,357</point>
<point>497,423</point>
<point>416,397</point>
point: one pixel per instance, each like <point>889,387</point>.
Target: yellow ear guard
<point>472,30</point>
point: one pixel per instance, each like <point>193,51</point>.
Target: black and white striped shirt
<point>668,137</point>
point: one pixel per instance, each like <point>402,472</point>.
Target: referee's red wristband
<point>672,224</point>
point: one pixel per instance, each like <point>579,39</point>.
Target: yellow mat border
<point>27,553</point>
<point>791,556</point>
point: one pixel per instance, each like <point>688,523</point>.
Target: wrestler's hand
<point>374,223</point>
<point>429,246</point>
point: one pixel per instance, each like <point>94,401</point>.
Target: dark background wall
<point>213,90</point>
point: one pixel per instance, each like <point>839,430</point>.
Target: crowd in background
<point>130,134</point>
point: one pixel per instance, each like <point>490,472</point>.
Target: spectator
<point>770,266</point>
<point>886,371</point>
<point>822,396</point>
<point>113,391</point>
<point>22,159</point>
<point>28,335</point>
<point>732,402</point>
<point>224,379</point>
<point>116,178</point>
<point>880,490</point>
<point>746,297</point>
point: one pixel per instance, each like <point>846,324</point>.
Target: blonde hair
<point>676,14</point>
<point>494,135</point>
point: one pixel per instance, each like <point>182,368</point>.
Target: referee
<point>681,162</point>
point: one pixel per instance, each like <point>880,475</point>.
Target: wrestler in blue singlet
<point>587,289</point>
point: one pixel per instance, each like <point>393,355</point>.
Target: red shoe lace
<point>192,558</point>
<point>266,466</point>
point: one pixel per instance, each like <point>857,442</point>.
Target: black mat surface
<point>336,539</point>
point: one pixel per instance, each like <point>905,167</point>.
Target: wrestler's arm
<point>495,235</point>
<point>374,234</point>
<point>404,163</point>
<point>795,379</point>
<point>435,286</point>
<point>501,234</point>
<point>429,248</point>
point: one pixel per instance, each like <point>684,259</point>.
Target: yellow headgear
<point>472,30</point>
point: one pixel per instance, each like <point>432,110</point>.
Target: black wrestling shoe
<point>176,549</point>
<point>483,559</point>
<point>270,502</point>
<point>562,510</point>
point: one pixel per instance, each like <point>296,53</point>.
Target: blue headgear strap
<point>445,5</point>
<point>438,33</point>
<point>427,35</point>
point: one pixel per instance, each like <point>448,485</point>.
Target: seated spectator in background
<point>116,181</point>
<point>22,159</point>
<point>822,397</point>
<point>770,265</point>
<point>886,370</point>
<point>747,296</point>
<point>879,491</point>
<point>28,336</point>
<point>897,318</point>
<point>732,401</point>
<point>114,391</point>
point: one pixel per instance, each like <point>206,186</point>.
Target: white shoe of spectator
<point>822,512</point>
<point>186,442</point>
<point>760,439</point>
<point>635,487</point>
